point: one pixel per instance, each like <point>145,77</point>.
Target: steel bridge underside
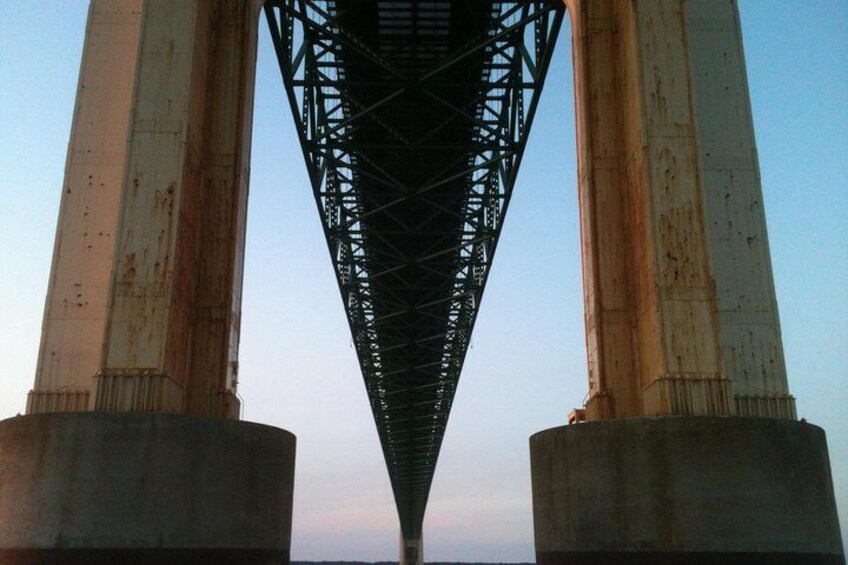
<point>412,117</point>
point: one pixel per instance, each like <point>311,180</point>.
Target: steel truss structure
<point>413,116</point>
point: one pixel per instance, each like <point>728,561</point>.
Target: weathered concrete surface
<point>144,307</point>
<point>751,348</point>
<point>613,382</point>
<point>76,307</point>
<point>684,490</point>
<point>144,488</point>
<point>679,299</point>
<point>185,189</point>
<point>652,328</point>
<point>213,375</point>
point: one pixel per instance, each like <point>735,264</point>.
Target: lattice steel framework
<point>413,117</point>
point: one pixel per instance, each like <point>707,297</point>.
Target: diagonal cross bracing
<point>412,117</point>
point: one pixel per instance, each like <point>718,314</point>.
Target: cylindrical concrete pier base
<point>692,490</point>
<point>129,488</point>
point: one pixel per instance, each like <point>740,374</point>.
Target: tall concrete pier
<point>689,452</point>
<point>144,299</point>
<point>142,317</point>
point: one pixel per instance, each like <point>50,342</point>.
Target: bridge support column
<point>142,318</point>
<point>681,320</point>
<point>411,551</point>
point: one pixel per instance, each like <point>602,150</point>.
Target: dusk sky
<point>526,368</point>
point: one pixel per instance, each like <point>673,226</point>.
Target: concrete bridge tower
<point>132,451</point>
<point>690,452</point>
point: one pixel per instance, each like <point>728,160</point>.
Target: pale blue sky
<point>526,368</point>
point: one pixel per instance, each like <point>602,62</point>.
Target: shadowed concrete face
<point>122,488</point>
<point>684,490</point>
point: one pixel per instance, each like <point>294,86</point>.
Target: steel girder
<point>412,116</point>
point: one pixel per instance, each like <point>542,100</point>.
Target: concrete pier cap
<point>693,490</point>
<point>96,487</point>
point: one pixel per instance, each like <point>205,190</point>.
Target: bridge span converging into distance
<point>413,118</point>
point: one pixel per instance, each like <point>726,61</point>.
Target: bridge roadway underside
<point>412,117</point>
